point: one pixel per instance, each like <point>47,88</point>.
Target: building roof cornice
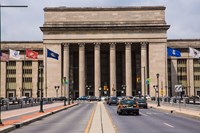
<point>128,8</point>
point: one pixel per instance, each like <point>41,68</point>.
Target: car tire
<point>119,113</point>
<point>138,113</point>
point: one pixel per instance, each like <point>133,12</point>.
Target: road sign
<point>162,92</point>
<point>178,88</point>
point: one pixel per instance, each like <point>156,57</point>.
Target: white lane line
<point>143,114</point>
<point>168,125</point>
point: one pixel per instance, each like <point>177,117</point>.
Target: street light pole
<point>157,75</point>
<point>124,89</point>
<point>4,6</point>
<point>41,89</point>
<point>99,93</point>
<point>144,82</point>
<point>56,88</point>
<point>65,87</point>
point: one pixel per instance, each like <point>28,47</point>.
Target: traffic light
<point>138,80</point>
<point>105,88</point>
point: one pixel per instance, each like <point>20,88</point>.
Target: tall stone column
<point>113,69</point>
<point>97,69</point>
<point>128,70</point>
<point>81,69</point>
<point>143,67</point>
<point>66,68</point>
<point>173,75</point>
<point>3,81</point>
<point>35,79</point>
<point>19,79</point>
<point>190,73</point>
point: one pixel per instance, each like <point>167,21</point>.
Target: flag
<point>4,57</point>
<point>52,54</point>
<point>173,52</point>
<point>194,53</point>
<point>14,54</point>
<point>31,54</point>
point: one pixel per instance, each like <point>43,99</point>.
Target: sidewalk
<point>19,117</point>
<point>195,114</point>
<point>101,122</point>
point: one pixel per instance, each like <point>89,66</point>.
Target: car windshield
<point>114,98</point>
<point>127,102</point>
<point>141,100</point>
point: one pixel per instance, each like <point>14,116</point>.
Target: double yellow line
<point>87,129</point>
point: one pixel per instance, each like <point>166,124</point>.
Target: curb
<point>28,121</point>
<point>178,113</point>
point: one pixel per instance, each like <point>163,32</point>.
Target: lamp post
<point>123,89</point>
<point>99,93</point>
<point>157,75</point>
<point>156,89</point>
<point>41,66</point>
<point>57,88</point>
<point>139,92</point>
<point>88,88</point>
<point>4,6</point>
<point>65,91</point>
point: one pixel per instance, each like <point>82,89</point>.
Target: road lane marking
<point>90,121</point>
<point>143,114</point>
<point>168,125</point>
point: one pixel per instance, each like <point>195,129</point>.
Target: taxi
<point>127,106</point>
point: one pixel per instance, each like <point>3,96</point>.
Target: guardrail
<point>181,104</point>
<point>23,103</point>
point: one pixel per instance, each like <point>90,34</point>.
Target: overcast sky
<point>22,24</point>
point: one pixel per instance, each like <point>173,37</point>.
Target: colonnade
<point>97,67</point>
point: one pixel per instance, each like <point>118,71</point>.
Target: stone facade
<point>102,48</point>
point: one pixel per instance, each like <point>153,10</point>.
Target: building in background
<point>115,49</point>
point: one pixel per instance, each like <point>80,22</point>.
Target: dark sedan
<point>142,103</point>
<point>128,106</point>
<point>93,98</point>
<point>112,100</point>
<point>82,98</point>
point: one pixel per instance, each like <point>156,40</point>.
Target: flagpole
<point>23,72</point>
<point>0,48</point>
<point>45,70</point>
<point>188,87</point>
<point>8,72</point>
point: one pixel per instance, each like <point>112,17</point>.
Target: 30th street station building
<point>102,51</point>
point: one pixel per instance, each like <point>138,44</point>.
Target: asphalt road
<point>153,121</point>
<point>73,120</point>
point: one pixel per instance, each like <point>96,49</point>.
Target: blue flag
<point>173,52</point>
<point>52,54</point>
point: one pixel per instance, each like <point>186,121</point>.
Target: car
<point>93,98</point>
<point>127,106</point>
<point>4,101</point>
<point>103,98</point>
<point>142,103</point>
<point>112,100</point>
<point>82,98</point>
<point>62,98</point>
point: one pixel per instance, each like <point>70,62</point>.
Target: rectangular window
<point>182,72</point>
